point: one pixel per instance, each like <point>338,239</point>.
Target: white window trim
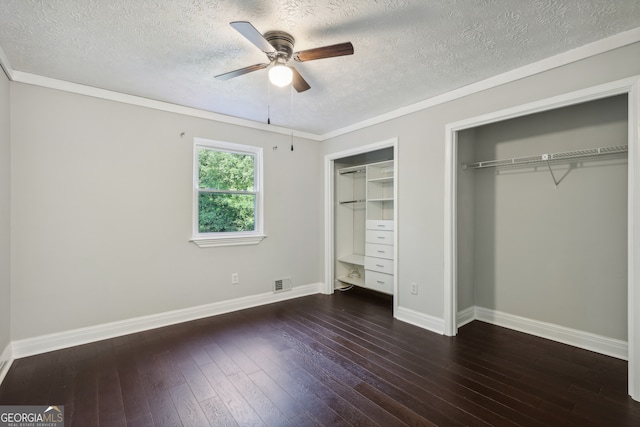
<point>209,240</point>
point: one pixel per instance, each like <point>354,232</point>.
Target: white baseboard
<point>6,359</point>
<point>424,321</point>
<point>465,316</point>
<point>57,341</point>
<point>588,341</point>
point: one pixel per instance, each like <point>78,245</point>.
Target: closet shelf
<point>351,281</point>
<point>354,259</point>
<point>383,179</point>
<point>589,153</point>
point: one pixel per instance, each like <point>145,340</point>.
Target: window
<point>227,194</point>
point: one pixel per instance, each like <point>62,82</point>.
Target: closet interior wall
<point>526,247</point>
<point>357,203</point>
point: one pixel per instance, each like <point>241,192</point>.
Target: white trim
<point>630,86</point>
<point>5,64</point>
<point>588,341</point>
<point>6,359</point>
<point>213,242</point>
<point>56,341</point>
<point>600,46</point>
<point>329,206</point>
<point>210,240</point>
<point>47,82</point>
<point>633,242</point>
<point>604,90</point>
<point>559,60</point>
<point>450,231</point>
<point>465,316</point>
<point>424,321</point>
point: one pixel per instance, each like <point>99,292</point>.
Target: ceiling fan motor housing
<point>282,43</point>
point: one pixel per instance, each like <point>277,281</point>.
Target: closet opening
<point>363,210</point>
<point>541,203</point>
<point>542,224</point>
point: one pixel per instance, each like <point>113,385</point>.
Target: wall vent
<point>281,285</point>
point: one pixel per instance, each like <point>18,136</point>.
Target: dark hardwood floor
<point>325,360</point>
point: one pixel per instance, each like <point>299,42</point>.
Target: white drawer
<point>378,264</point>
<point>379,281</point>
<point>376,224</point>
<point>380,251</point>
<point>380,237</point>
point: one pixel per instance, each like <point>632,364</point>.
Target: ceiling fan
<point>278,46</point>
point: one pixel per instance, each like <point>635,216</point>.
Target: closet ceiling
<point>406,51</point>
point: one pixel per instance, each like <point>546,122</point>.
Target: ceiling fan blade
<point>339,49</point>
<point>250,33</point>
<point>299,83</point>
<point>241,71</point>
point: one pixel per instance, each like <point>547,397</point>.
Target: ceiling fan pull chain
<point>291,113</point>
<point>268,103</point>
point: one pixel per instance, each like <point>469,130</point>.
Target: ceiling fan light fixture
<point>280,75</point>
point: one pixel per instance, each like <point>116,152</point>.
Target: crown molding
<point>5,64</point>
<point>51,83</point>
<point>600,46</point>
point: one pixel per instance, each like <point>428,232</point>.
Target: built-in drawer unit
<point>378,264</point>
<point>379,282</point>
<point>379,237</point>
<point>380,251</point>
<point>376,224</point>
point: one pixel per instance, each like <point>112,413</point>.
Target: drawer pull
<point>380,281</point>
<point>381,225</point>
<point>379,265</point>
<point>381,237</point>
<point>381,252</point>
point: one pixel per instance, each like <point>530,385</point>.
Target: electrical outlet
<point>235,279</point>
<point>414,288</point>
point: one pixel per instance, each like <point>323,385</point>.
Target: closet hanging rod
<point>547,158</point>
<point>353,201</point>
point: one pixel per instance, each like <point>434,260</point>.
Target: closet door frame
<point>629,86</point>
<point>329,203</point>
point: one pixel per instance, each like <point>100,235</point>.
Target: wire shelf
<point>589,153</point>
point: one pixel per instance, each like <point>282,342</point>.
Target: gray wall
<point>5,213</point>
<point>421,139</point>
<point>557,255</point>
<point>102,202</point>
<point>102,209</point>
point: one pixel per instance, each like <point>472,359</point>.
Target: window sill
<point>212,242</point>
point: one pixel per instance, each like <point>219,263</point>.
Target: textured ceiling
<point>406,51</point>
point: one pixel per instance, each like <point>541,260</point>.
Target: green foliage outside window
<point>226,202</point>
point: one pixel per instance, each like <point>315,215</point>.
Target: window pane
<point>219,170</point>
<point>226,212</point>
